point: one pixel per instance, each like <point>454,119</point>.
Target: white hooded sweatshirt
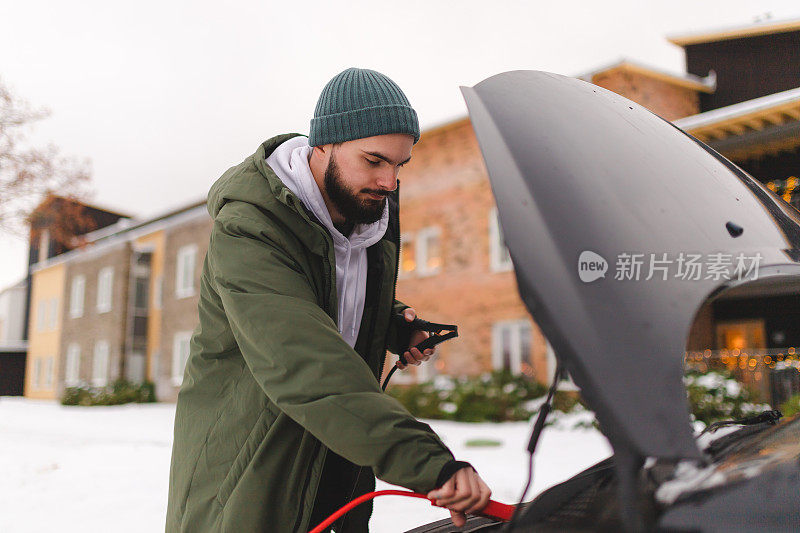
<point>290,162</point>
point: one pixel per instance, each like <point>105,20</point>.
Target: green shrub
<point>496,397</point>
<point>120,392</point>
<point>482,443</point>
<point>501,397</point>
<point>76,396</point>
<point>791,406</point>
<point>716,396</point>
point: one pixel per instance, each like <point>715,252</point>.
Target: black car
<point>583,176</point>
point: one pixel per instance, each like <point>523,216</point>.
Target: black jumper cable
<point>494,509</point>
<point>437,337</point>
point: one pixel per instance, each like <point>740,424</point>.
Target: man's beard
<point>353,209</point>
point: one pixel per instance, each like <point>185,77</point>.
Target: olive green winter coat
<point>270,385</point>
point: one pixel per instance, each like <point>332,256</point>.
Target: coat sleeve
<point>302,363</point>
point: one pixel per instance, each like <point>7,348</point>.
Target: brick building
<point>455,268</point>
<point>186,245</point>
<point>454,265</point>
<point>94,314</point>
<point>58,225</point>
<point>123,306</point>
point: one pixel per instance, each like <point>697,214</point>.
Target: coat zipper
<point>328,290</point>
<point>372,329</point>
<point>379,370</point>
<point>396,271</point>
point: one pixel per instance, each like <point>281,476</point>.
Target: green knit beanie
<point>360,103</point>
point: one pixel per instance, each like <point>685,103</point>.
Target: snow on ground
<point>87,469</point>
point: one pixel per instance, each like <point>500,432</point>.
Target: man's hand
<point>464,493</point>
<point>412,355</point>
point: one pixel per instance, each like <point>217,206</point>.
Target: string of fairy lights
<point>753,360</point>
<point>787,189</point>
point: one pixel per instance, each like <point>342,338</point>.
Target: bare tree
<point>31,178</point>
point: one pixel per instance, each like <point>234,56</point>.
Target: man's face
<point>362,172</point>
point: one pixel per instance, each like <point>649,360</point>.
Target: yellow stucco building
<point>46,316</point>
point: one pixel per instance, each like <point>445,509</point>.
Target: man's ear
<point>321,152</point>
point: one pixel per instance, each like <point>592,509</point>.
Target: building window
<point>48,372</point>
<point>184,275</point>
<point>46,314</point>
<point>100,364</point>
<point>52,314</point>
<point>511,347</point>
<point>76,297</point>
<point>180,354</point>
<point>142,289</point>
<point>72,371</point>
<point>37,373</point>
<point>499,258</point>
<point>429,251</point>
<point>158,290</point>
<point>43,372</point>
<point>428,369</point>
<point>408,256</point>
<point>105,285</point>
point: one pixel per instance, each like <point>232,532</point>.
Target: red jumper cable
<point>495,510</point>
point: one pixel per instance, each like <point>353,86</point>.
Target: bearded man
<point>281,419</point>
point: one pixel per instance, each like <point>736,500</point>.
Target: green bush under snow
<point>496,397</point>
<point>716,396</point>
<point>501,397</point>
<point>791,406</point>
<point>118,393</point>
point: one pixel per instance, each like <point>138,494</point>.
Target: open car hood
<point>576,168</point>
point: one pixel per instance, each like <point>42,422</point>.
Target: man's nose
<point>388,179</point>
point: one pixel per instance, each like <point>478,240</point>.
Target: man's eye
<point>373,163</point>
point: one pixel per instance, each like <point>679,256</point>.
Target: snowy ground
<point>104,469</point>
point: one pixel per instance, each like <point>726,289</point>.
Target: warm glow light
<point>791,184</point>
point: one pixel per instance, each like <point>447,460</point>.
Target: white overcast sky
<point>163,96</point>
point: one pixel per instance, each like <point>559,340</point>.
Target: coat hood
<point>250,181</point>
<point>254,182</point>
<point>289,161</point>
<point>587,181</point>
